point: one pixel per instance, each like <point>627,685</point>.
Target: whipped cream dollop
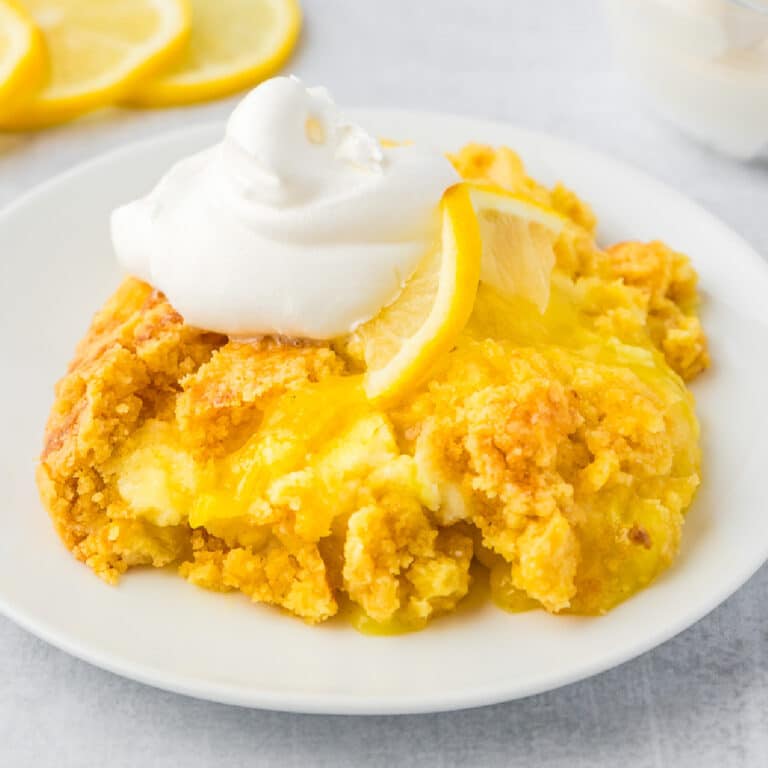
<point>298,223</point>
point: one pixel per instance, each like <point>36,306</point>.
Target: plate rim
<point>352,704</point>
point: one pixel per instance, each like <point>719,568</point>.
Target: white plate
<point>56,268</point>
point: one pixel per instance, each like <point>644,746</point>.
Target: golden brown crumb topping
<point>558,451</point>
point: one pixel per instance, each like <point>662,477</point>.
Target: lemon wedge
<point>97,51</point>
<point>22,57</point>
<point>401,344</point>
<point>518,238</point>
<point>234,44</point>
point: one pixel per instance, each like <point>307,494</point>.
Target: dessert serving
<point>349,374</point>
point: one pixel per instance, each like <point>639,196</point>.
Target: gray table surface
<point>699,700</point>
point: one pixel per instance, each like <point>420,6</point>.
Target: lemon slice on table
<point>518,238</point>
<point>97,50</point>
<point>401,344</point>
<point>22,57</point>
<point>234,44</point>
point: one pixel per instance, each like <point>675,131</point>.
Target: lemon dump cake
<point>539,428</point>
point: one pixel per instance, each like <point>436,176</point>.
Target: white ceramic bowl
<point>702,63</point>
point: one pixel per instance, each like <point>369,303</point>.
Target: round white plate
<point>56,268</point>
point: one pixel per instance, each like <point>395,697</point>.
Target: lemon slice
<point>518,238</point>
<point>97,51</point>
<point>401,344</point>
<point>22,57</point>
<point>234,44</point>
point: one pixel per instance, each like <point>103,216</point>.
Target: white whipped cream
<point>298,223</point>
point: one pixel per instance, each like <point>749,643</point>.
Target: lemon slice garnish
<point>518,238</point>
<point>97,51</point>
<point>402,343</point>
<point>22,57</point>
<point>234,44</point>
